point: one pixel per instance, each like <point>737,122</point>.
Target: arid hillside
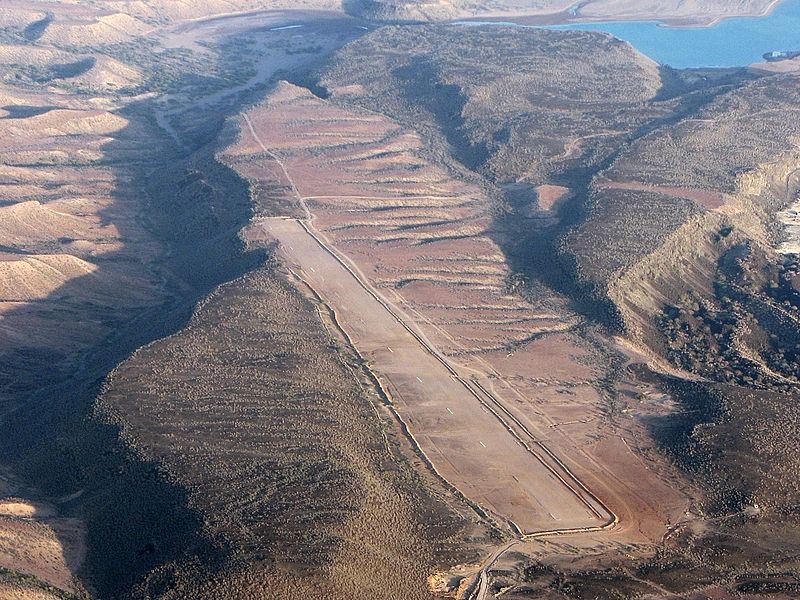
<point>708,292</point>
<point>664,212</point>
<point>104,191</point>
<point>293,301</point>
<point>310,489</point>
<point>514,104</point>
<point>699,12</point>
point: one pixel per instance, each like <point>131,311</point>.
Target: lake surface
<point>731,43</point>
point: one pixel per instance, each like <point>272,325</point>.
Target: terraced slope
<point>519,105</point>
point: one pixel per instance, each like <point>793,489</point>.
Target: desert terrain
<point>315,300</point>
<point>672,12</point>
<point>436,266</point>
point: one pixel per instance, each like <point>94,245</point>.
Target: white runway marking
<point>482,444</point>
<point>418,379</point>
<point>450,411</point>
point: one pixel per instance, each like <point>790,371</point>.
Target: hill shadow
<point>53,429</point>
<point>56,431</point>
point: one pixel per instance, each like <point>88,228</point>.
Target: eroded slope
<point>517,104</point>
<point>296,475</point>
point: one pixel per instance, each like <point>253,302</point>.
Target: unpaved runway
<point>469,440</point>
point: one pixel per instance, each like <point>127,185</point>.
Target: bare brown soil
<point>706,198</point>
<point>417,237</point>
<point>38,544</point>
<point>549,196</point>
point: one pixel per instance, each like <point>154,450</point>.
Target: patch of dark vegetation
<point>44,74</point>
<point>739,444</point>
<point>698,403</point>
<point>791,586</point>
<point>748,332</point>
<point>20,111</point>
<point>35,30</point>
<point>546,581</point>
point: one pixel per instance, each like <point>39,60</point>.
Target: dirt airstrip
<point>496,392</point>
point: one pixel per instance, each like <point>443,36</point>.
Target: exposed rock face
<point>709,183</point>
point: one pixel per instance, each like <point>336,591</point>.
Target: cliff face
<point>688,259</point>
<point>684,207</point>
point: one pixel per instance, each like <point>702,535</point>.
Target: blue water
<point>732,43</point>
<point>735,42</point>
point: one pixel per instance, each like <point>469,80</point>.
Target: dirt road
<point>468,434</point>
<point>468,441</point>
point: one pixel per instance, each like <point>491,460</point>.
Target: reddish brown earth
<point>404,256</point>
<point>706,198</point>
<point>549,196</point>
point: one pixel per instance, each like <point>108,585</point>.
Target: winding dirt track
<point>467,434</point>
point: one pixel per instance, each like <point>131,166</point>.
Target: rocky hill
<point>671,186</point>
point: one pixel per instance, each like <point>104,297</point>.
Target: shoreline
<point>567,17</point>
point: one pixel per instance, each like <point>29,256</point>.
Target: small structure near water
<point>777,55</point>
